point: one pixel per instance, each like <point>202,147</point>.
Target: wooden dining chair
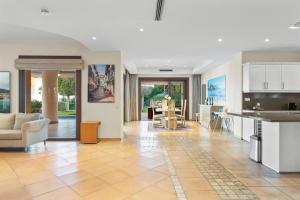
<point>164,104</point>
<point>181,117</point>
<point>156,117</point>
<point>171,105</point>
<point>171,119</point>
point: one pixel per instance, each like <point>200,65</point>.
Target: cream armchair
<point>35,132</point>
<point>30,133</point>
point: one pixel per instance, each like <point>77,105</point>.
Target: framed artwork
<point>216,88</point>
<point>5,98</point>
<point>101,83</point>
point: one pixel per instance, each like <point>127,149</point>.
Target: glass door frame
<point>25,96</point>
<point>185,81</point>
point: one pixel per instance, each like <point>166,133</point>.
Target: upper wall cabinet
<point>271,77</point>
<point>291,77</point>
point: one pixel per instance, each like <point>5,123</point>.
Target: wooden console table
<point>89,132</point>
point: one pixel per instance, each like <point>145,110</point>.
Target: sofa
<point>22,130</point>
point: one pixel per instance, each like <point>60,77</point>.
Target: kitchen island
<point>280,139</point>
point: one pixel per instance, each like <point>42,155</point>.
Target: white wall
<point>233,72</point>
<point>172,76</point>
<point>110,114</point>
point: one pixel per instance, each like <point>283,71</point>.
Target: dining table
<point>165,110</point>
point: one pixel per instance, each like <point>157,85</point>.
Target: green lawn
<point>66,113</point>
<point>145,109</point>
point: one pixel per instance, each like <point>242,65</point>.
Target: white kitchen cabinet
<point>257,77</point>
<point>254,77</point>
<point>280,146</point>
<point>269,77</point>
<point>237,127</point>
<point>291,77</point>
<point>248,128</point>
<point>273,78</point>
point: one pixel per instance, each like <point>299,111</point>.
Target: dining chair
<point>164,104</point>
<point>171,105</point>
<point>171,119</point>
<point>181,117</point>
<point>156,117</point>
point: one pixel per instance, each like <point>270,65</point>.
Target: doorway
<point>154,89</point>
<point>63,123</point>
<point>68,108</point>
<point>54,67</point>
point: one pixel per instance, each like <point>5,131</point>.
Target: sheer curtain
<point>196,94</point>
<point>130,97</point>
<point>127,98</point>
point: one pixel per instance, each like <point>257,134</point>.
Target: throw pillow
<point>22,118</point>
<point>7,120</point>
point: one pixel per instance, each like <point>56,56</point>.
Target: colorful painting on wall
<point>101,83</point>
<point>216,88</point>
<point>4,92</point>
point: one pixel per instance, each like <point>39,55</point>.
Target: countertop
<point>271,111</point>
<point>271,116</point>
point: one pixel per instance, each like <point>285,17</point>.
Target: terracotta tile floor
<point>192,164</point>
<point>65,128</point>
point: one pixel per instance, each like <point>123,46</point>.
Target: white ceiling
<point>185,39</point>
<point>13,33</point>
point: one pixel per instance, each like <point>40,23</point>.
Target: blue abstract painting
<point>216,88</point>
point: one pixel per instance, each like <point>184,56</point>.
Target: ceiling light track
<point>159,9</point>
<point>45,12</point>
<point>166,70</point>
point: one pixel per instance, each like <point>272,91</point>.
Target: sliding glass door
<point>151,91</point>
<point>154,89</point>
<point>177,92</point>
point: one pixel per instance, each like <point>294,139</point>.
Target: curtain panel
<point>196,94</point>
<point>130,97</point>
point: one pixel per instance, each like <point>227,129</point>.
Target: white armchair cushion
<point>7,120</point>
<point>10,134</point>
<point>34,126</point>
<point>22,118</point>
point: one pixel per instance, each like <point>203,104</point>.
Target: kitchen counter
<point>280,137</point>
<point>271,111</point>
<point>270,116</point>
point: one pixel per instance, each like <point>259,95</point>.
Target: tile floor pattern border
<point>226,185</point>
<point>171,169</point>
<point>176,183</point>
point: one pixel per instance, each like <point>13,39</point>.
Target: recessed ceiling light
<point>141,29</point>
<point>293,27</point>
<point>267,40</point>
<point>220,40</point>
<point>45,12</point>
<point>94,38</point>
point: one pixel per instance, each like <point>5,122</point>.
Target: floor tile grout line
<point>171,170</point>
<point>223,194</point>
<point>287,194</point>
<point>176,183</point>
